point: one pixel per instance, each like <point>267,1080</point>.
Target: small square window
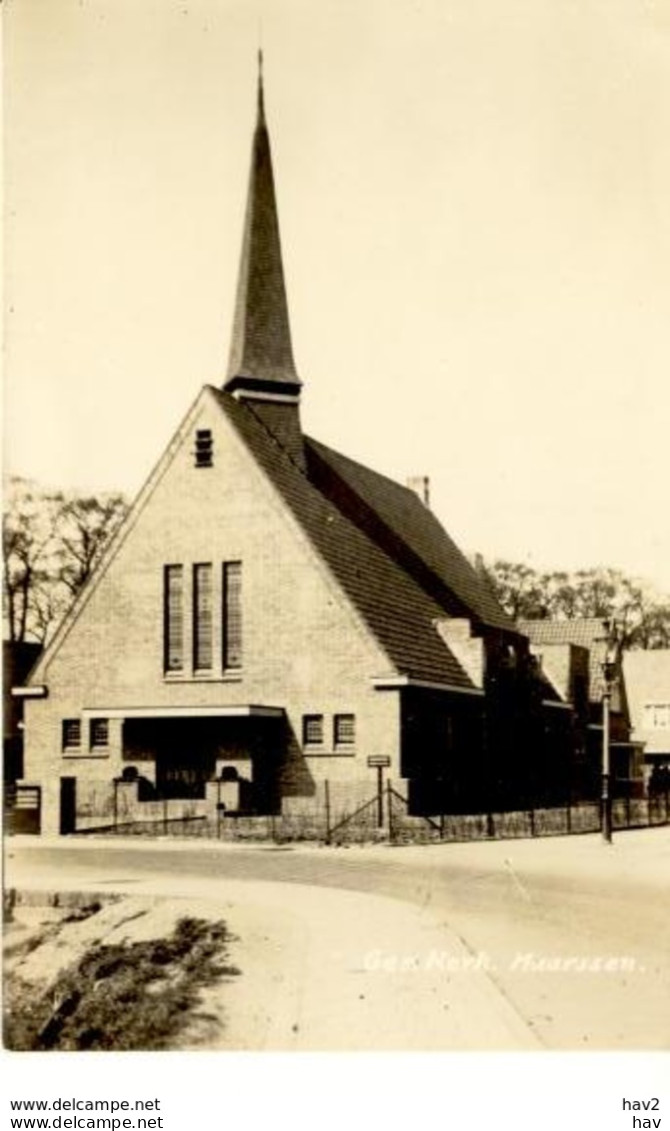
<point>344,730</point>
<point>71,733</point>
<point>312,730</point>
<point>99,732</point>
<point>204,448</point>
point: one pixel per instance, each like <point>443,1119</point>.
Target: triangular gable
<point>398,613</point>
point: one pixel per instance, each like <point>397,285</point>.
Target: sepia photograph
<point>336,534</point>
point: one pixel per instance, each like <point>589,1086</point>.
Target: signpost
<point>379,762</point>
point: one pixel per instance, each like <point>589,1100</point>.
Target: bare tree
<point>84,526</point>
<point>654,631</point>
<point>52,542</point>
<point>27,533</point>
<point>518,588</point>
<point>642,616</point>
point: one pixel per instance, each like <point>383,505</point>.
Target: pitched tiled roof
<point>398,520</point>
<point>585,631</point>
<point>396,609</point>
<point>589,632</point>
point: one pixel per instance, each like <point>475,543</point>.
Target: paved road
<point>574,935</point>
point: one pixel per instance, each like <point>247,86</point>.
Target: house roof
<point>588,632</point>
<point>398,609</point>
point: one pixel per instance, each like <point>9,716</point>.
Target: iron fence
<point>338,813</point>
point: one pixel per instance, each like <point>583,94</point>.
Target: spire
<point>261,357</point>
<point>261,95</point>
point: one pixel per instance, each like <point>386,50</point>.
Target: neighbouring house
<point>21,813</point>
<point>572,654</point>
<point>273,615</point>
<point>18,658</point>
<point>647,676</point>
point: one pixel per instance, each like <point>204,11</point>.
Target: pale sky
<point>473,200</point>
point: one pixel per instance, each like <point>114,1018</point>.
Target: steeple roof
<point>261,355</point>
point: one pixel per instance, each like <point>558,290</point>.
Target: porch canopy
<point>242,711</point>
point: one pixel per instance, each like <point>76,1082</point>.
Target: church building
<point>273,614</point>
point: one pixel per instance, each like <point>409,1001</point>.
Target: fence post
<point>116,803</point>
<point>568,818</point>
<point>490,827</point>
<point>389,807</point>
<point>326,785</point>
<point>442,821</point>
<point>628,808</point>
<point>531,821</point>
<point>165,816</point>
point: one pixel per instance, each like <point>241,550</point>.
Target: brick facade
<point>305,649</point>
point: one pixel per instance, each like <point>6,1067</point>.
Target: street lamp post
<point>609,676</point>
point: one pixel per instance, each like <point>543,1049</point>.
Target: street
<point>569,939</point>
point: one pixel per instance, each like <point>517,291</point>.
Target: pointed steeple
<point>261,356</point>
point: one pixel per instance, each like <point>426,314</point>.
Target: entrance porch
<point>179,753</point>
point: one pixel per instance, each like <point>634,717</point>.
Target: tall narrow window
<point>173,611</point>
<point>232,614</point>
<point>202,616</point>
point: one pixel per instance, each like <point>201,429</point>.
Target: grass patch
<point>121,997</point>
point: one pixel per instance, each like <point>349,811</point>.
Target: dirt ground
<point>73,966</point>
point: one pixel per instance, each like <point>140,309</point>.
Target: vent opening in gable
<point>204,448</point>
